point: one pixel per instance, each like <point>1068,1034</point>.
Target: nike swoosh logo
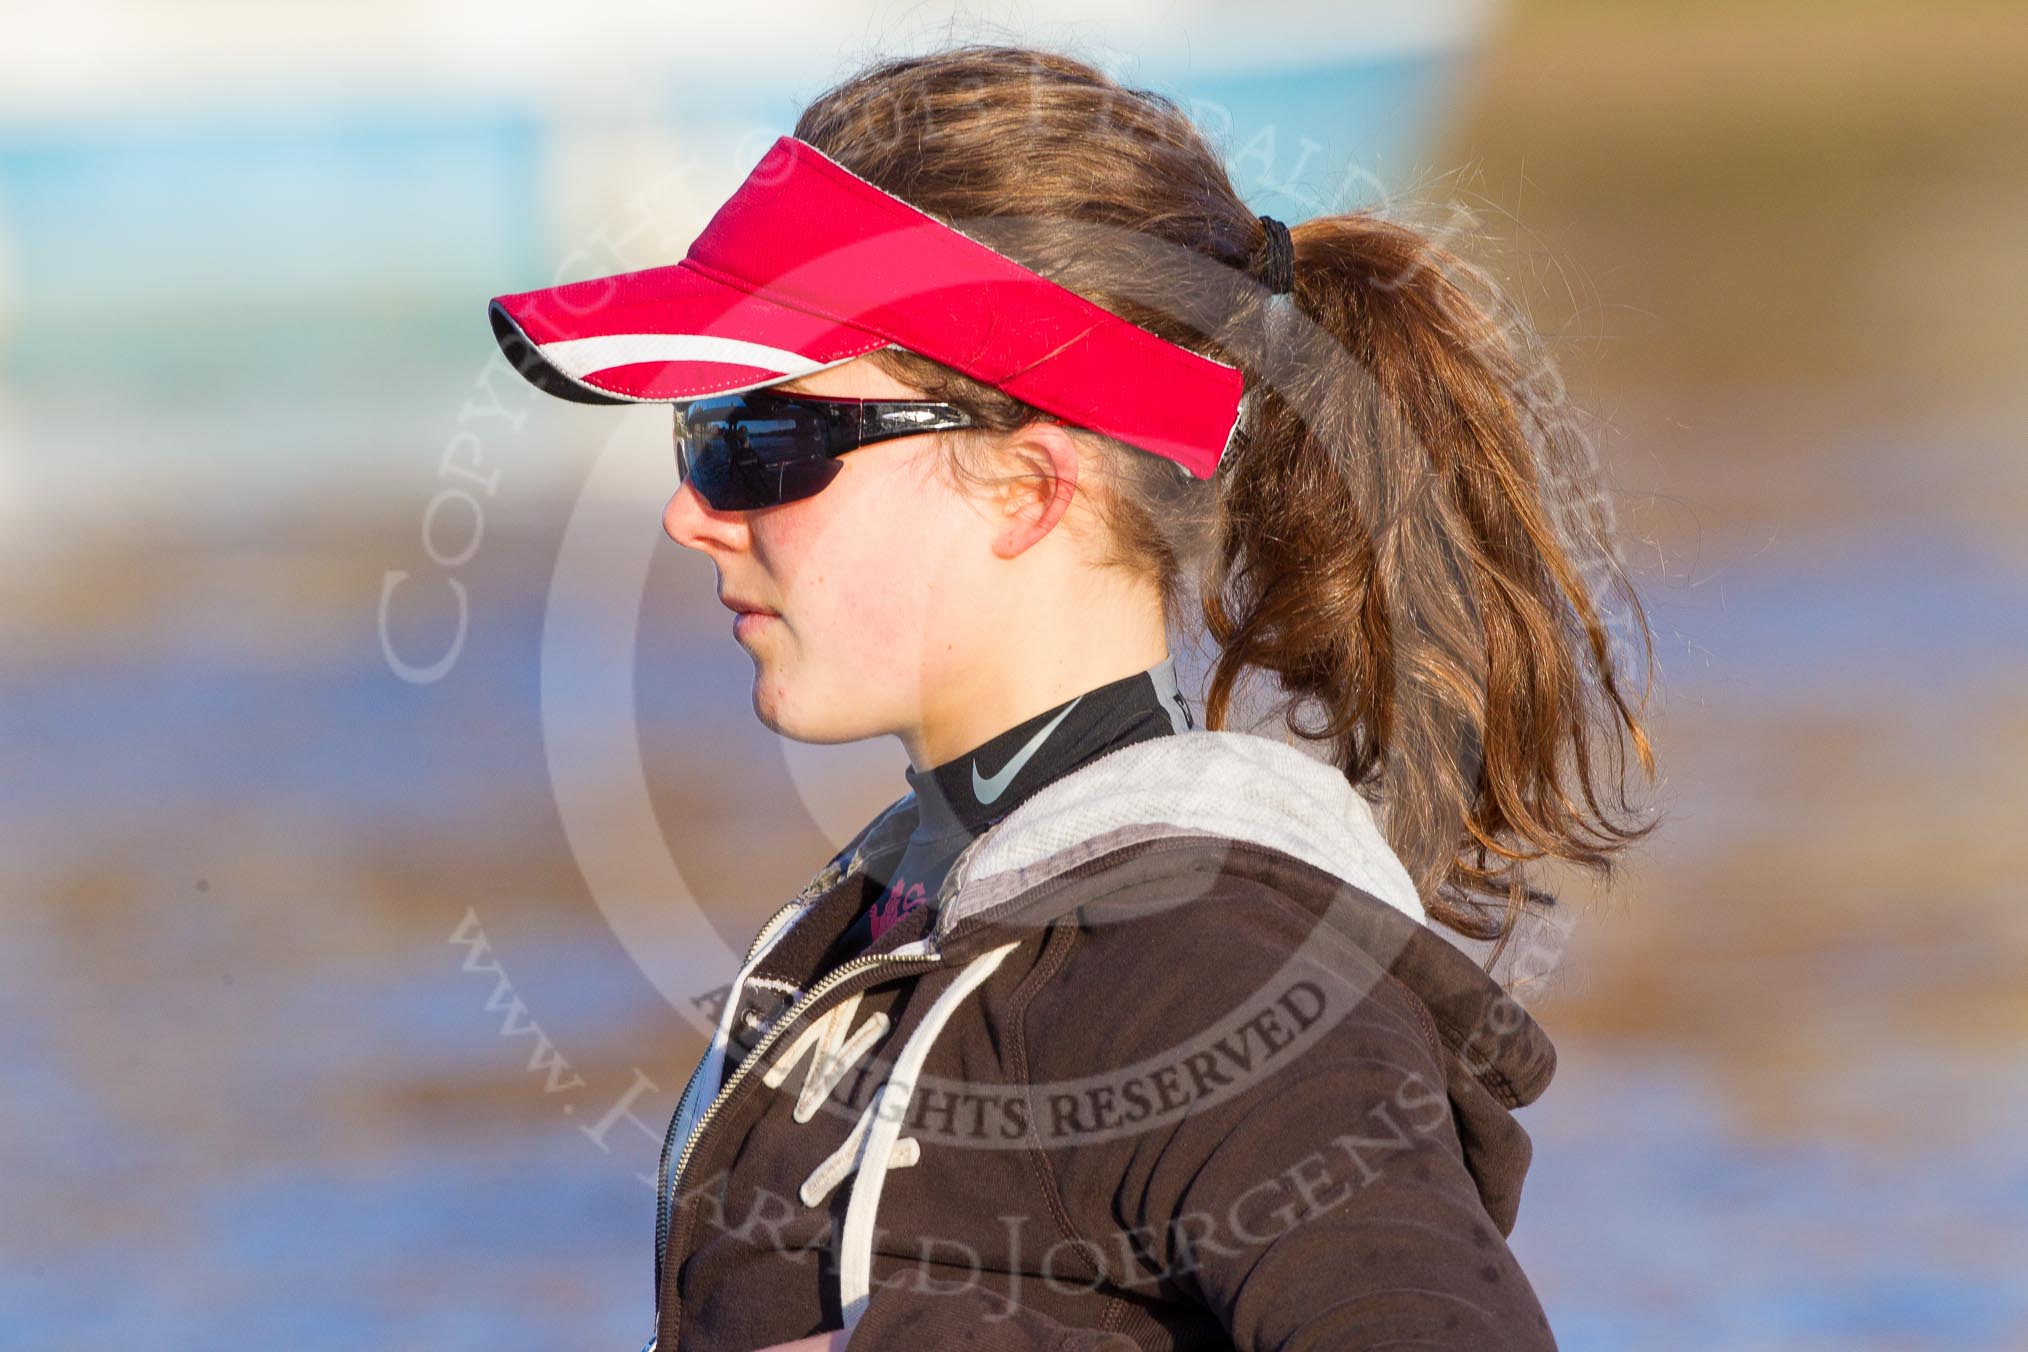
<point>988,789</point>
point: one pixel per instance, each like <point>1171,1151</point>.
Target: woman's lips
<point>747,616</point>
<point>735,603</point>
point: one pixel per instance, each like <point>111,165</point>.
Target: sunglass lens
<point>743,456</point>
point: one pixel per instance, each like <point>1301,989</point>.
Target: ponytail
<point>1411,543</point>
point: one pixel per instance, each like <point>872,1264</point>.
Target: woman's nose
<point>693,523</point>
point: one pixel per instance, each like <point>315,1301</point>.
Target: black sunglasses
<point>762,449</point>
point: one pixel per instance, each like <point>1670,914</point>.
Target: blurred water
<point>275,217</point>
<point>1649,1221</point>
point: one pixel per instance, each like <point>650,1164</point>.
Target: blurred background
<point>380,788</point>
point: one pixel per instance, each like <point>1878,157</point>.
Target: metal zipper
<point>830,982</point>
<point>830,876</point>
<point>817,885</point>
<point>667,1181</point>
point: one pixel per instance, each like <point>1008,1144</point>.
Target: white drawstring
<point>883,1135</point>
<point>875,1144</point>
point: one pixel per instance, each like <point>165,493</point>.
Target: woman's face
<point>878,585</point>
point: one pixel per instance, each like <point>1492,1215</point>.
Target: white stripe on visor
<point>580,357</point>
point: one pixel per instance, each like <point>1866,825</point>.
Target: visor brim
<point>663,335</point>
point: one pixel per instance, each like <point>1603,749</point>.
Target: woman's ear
<point>1041,483</point>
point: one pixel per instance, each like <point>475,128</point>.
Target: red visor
<point>808,265</point>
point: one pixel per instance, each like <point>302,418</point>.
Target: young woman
<point>1114,1032</point>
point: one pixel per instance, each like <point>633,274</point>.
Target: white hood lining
<point>1234,784</point>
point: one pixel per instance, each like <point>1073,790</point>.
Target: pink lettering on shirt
<point>899,899</point>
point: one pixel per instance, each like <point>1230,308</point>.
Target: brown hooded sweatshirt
<point>1175,1061</point>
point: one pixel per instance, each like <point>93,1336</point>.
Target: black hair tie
<point>1281,257</point>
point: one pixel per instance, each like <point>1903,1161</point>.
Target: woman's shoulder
<point>1219,941</point>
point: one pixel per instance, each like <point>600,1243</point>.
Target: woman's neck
<point>1026,684</point>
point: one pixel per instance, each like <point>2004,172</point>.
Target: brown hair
<point>1405,532</point>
